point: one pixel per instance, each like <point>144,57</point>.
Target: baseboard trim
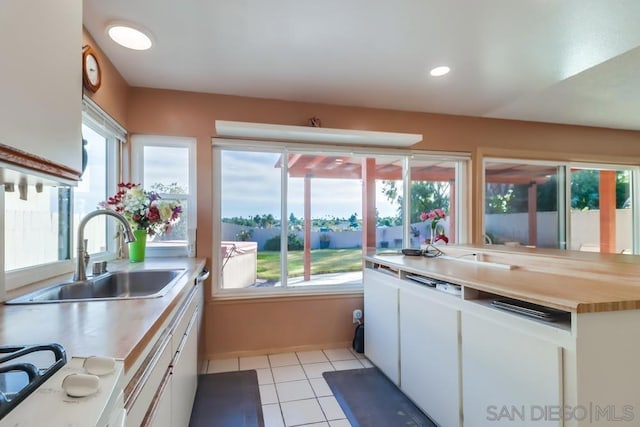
<point>245,353</point>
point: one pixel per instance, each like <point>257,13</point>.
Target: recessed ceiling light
<point>129,37</point>
<point>440,71</point>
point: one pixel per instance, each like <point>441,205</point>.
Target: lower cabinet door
<point>185,375</point>
<point>509,377</point>
<point>430,352</point>
<point>381,336</point>
<point>161,415</point>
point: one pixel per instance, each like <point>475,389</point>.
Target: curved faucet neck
<point>80,274</point>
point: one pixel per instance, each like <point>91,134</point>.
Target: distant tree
<point>425,196</point>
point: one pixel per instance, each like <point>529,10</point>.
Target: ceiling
<point>560,61</point>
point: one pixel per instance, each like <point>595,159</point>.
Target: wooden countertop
<point>119,328</point>
<point>561,289</point>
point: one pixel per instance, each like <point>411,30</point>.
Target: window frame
<point>564,200</point>
<point>138,144</point>
<point>462,161</point>
<point>19,277</point>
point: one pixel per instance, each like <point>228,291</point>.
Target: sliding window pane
<point>250,202</point>
<point>521,204</point>
<point>432,186</point>
<point>601,214</point>
<point>388,202</point>
<point>325,227</point>
<point>91,191</point>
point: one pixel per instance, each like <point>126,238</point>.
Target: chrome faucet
<point>81,273</point>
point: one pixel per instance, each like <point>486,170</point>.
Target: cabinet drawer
<point>183,323</point>
<point>154,374</point>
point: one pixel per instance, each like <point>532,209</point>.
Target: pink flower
<point>423,216</point>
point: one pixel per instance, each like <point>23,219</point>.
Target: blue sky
<point>251,185</point>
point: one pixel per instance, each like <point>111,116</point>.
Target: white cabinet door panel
<point>185,376</point>
<point>41,79</point>
<point>509,377</point>
<point>381,334</point>
<point>430,351</point>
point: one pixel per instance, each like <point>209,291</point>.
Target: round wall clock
<point>91,72</point>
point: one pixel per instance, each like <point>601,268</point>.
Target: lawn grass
<point>323,261</point>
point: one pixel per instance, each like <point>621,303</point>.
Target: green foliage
<point>294,243</point>
<point>172,188</point>
<point>245,234</point>
<point>425,196</point>
<point>585,193</point>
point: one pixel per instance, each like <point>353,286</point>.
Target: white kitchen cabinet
<point>381,333</point>
<point>166,390</point>
<point>161,413</point>
<point>185,375</point>
<point>430,351</point>
<point>509,376</point>
<point>41,79</point>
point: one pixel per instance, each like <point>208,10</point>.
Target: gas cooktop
<point>24,368</point>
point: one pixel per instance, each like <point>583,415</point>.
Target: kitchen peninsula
<point>434,327</point>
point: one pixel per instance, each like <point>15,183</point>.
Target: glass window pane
<point>521,204</point>
<point>601,219</point>
<point>166,169</point>
<point>325,227</point>
<point>250,201</point>
<point>35,220</point>
<point>388,201</point>
<point>92,190</point>
<point>432,186</point>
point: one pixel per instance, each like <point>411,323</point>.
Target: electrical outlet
<point>357,315</point>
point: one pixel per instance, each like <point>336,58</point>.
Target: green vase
<point>137,248</point>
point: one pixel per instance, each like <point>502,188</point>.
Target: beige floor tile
<point>315,370</point>
<point>268,394</point>
<point>320,387</point>
<point>283,359</point>
<point>264,376</point>
<point>340,423</point>
<point>339,354</point>
<point>315,356</point>
<point>222,365</point>
<point>272,416</point>
<point>288,373</point>
<point>299,412</point>
<point>331,408</point>
<point>294,390</point>
<point>341,365</point>
<point>254,362</point>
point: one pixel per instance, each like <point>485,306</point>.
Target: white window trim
<point>138,142</point>
<point>219,144</point>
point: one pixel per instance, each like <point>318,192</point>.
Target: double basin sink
<point>109,286</point>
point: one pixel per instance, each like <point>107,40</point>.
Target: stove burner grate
<point>10,393</point>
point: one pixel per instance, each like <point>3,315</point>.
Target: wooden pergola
<point>309,166</point>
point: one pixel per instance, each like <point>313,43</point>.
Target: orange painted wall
<point>250,326</point>
<point>113,94</point>
<point>258,326</point>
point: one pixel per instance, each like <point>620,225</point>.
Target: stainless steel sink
<point>110,286</point>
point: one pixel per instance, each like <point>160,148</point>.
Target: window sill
<point>254,293</point>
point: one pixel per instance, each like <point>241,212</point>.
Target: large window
<point>568,206</point>
<point>41,217</point>
<point>166,165</point>
<point>299,217</point>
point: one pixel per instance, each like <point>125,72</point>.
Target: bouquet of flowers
<point>435,216</point>
<point>144,210</point>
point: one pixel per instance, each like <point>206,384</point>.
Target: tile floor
<point>292,389</point>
